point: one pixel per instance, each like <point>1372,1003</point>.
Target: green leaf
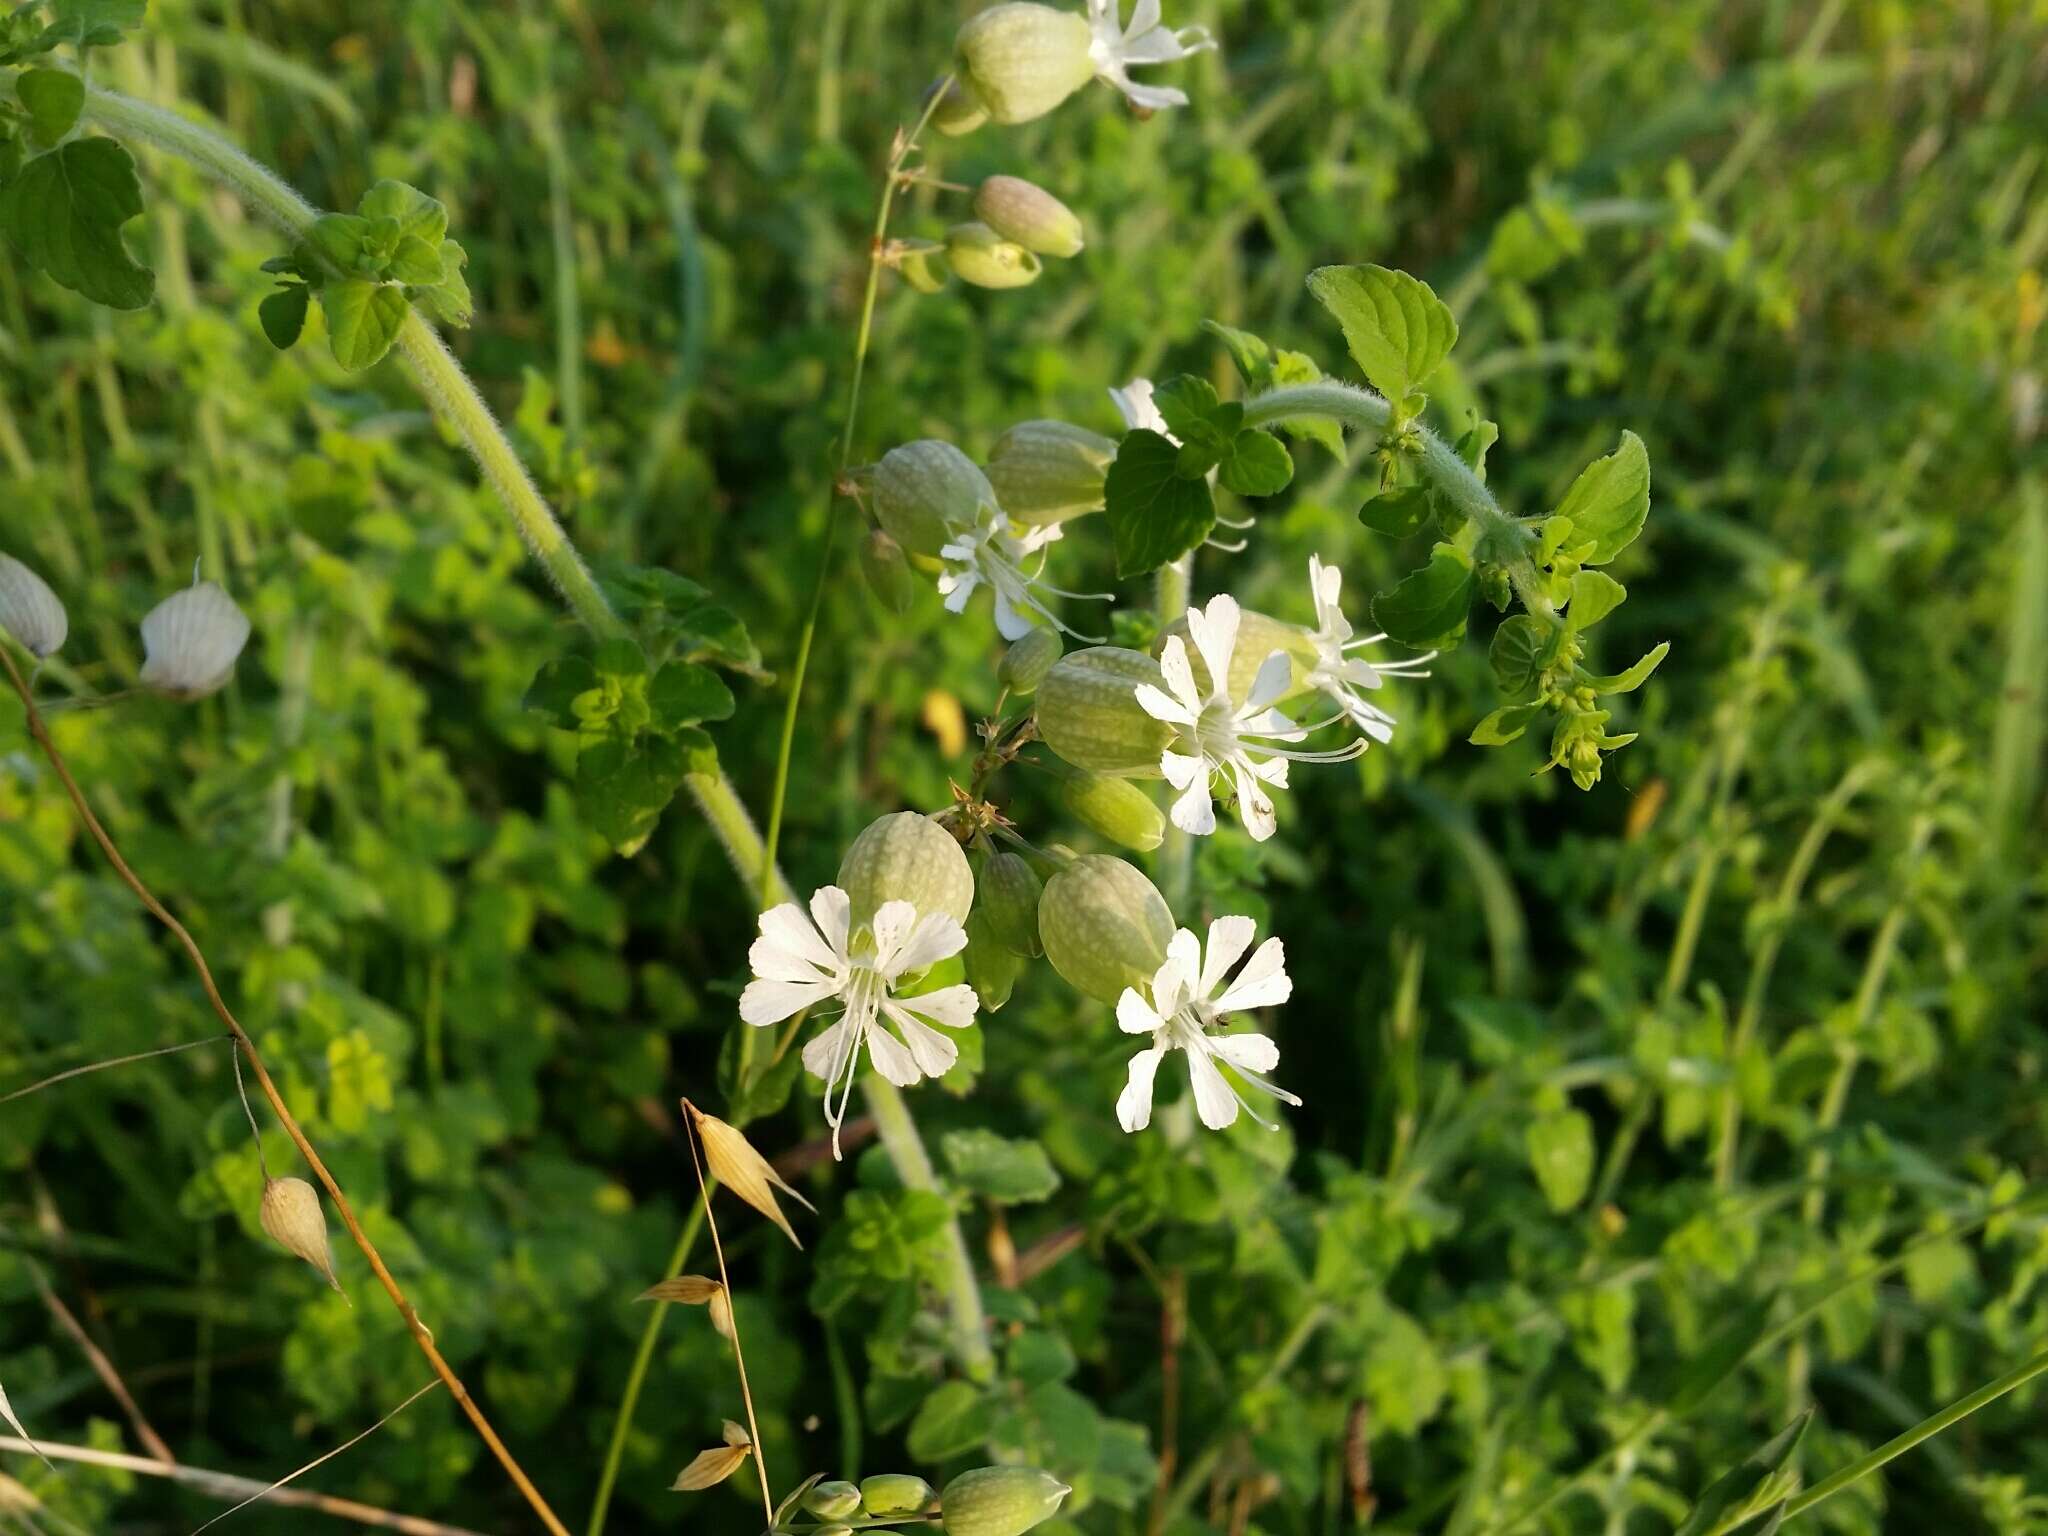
<point>1522,647</point>
<point>418,216</point>
<point>95,23</point>
<point>448,302</point>
<point>1736,1493</point>
<point>417,262</point>
<point>955,1419</point>
<point>1154,515</point>
<point>1038,1356</point>
<point>1429,607</point>
<point>283,314</point>
<point>1504,725</point>
<point>64,213</point>
<point>1397,329</point>
<point>1609,502</point>
<point>676,616</point>
<point>1399,513</point>
<point>339,243</point>
<point>53,98</point>
<point>623,786</point>
<point>362,320</point>
<point>683,693</point>
<point>556,688</point>
<point>1633,678</point>
<point>1561,1156</point>
<point>999,1169</point>
<point>1187,403</point>
<point>1255,464</point>
<point>1595,595</point>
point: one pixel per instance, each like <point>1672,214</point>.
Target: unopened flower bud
<point>985,259</point>
<point>924,490</point>
<point>1026,662</point>
<point>1257,638</point>
<point>1088,712</point>
<point>895,1493</point>
<point>992,966</point>
<point>833,1500</point>
<point>1047,471</point>
<point>30,611</point>
<point>1104,925</point>
<point>1009,897</point>
<point>191,640</point>
<point>999,1501</point>
<point>1021,60</point>
<point>1116,809</point>
<point>1025,212</point>
<point>887,570</point>
<point>906,857</point>
<point>291,1214</point>
<point>922,263</point>
<point>958,111</point>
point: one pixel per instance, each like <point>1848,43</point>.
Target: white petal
<point>952,1006</point>
<point>787,933</point>
<point>1174,981</point>
<point>1010,624</point>
<point>1134,1104</point>
<point>1182,770</point>
<point>1160,707</point>
<point>1135,1016</point>
<point>935,937</point>
<point>1229,938</point>
<point>1214,630</point>
<point>893,1059</point>
<point>1215,1102</point>
<point>1135,404</point>
<point>959,592</point>
<point>1275,678</point>
<point>822,1056</point>
<point>1247,1052</point>
<point>1152,97</point>
<point>832,911</point>
<point>191,640</point>
<point>894,922</point>
<point>1144,17</point>
<point>1262,983</point>
<point>1254,805</point>
<point>1193,811</point>
<point>1180,676</point>
<point>932,1051</point>
<point>771,1000</point>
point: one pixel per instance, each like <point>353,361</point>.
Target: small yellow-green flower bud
<point>1022,211</point>
<point>895,1493</point>
<point>958,111</point>
<point>906,857</point>
<point>1088,712</point>
<point>992,966</point>
<point>832,1500</point>
<point>887,570</point>
<point>1116,809</point>
<point>922,263</point>
<point>1009,896</point>
<point>1104,925</point>
<point>1026,662</point>
<point>1021,60</point>
<point>1047,471</point>
<point>999,1501</point>
<point>1257,638</point>
<point>984,258</point>
<point>924,490</point>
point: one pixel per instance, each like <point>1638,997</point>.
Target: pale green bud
<point>1088,712</point>
<point>924,490</point>
<point>958,111</point>
<point>907,857</point>
<point>1026,662</point>
<point>1104,925</point>
<point>1116,809</point>
<point>895,1493</point>
<point>1009,896</point>
<point>1047,471</point>
<point>1021,60</point>
<point>999,1501</point>
<point>887,571</point>
<point>922,263</point>
<point>984,258</point>
<point>832,1500</point>
<point>992,966</point>
<point>1028,214</point>
<point>1257,638</point>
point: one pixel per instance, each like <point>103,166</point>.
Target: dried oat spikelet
<point>736,1165</point>
<point>291,1214</point>
<point>7,1413</point>
<point>689,1290</point>
<point>712,1467</point>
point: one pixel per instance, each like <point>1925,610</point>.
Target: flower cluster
<point>190,641</point>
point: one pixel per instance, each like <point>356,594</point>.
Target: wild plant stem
<point>1205,1460</point>
<point>905,144</point>
<point>1177,853</point>
<point>112,1061</point>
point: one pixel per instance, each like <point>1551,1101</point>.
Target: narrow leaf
<point>1504,725</point>
<point>1633,678</point>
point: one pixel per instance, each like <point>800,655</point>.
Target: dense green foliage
<point>1602,1089</point>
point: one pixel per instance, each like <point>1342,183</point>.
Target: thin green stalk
<point>1198,1470</point>
<point>636,1378</point>
<point>905,145</point>
<point>1177,854</point>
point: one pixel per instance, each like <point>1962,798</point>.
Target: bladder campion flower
<point>191,640</point>
<point>1216,735</point>
<point>1191,995</point>
<point>30,611</point>
<point>800,962</point>
<point>1140,412</point>
<point>1339,674</point>
<point>1116,48</point>
<point>1023,59</point>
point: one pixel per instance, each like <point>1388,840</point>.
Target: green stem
<point>1197,1471</point>
<point>1177,852</point>
<point>1926,1429</point>
<point>629,1402</point>
<point>898,1133</point>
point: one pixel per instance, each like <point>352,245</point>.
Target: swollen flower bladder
<point>191,641</point>
<point>1191,994</point>
<point>1217,737</point>
<point>800,962</point>
<point>1336,672</point>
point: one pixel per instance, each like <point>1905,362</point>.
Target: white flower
<point>1217,737</point>
<point>1139,410</point>
<point>30,611</point>
<point>1116,48</point>
<point>1340,675</point>
<point>992,552</point>
<point>1190,998</point>
<point>191,640</point>
<point>801,961</point>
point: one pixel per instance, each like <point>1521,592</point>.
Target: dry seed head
<point>30,612</point>
<point>689,1290</point>
<point>291,1214</point>
<point>710,1468</point>
<point>721,1314</point>
<point>7,1413</point>
<point>736,1165</point>
<point>735,1433</point>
